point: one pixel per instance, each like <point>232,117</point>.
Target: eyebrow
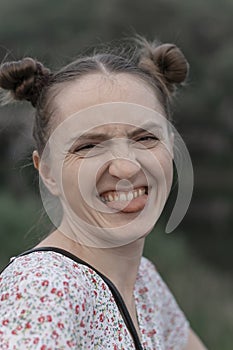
<point>148,126</point>
<point>104,136</point>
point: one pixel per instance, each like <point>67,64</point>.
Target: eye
<point>148,138</point>
<point>147,141</point>
<point>84,147</point>
<point>88,150</point>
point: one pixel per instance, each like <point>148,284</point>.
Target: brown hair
<point>163,67</point>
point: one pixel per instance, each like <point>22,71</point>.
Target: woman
<point>105,150</point>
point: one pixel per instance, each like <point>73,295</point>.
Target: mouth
<point>126,201</point>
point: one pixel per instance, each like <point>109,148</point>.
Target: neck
<point>119,264</point>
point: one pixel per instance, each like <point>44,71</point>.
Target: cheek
<point>79,179</point>
<point>164,161</point>
<point>70,185</point>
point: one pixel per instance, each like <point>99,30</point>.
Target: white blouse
<point>50,302</point>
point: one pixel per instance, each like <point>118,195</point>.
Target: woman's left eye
<point>148,138</point>
<point>147,141</point>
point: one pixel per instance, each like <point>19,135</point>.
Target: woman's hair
<point>162,67</point>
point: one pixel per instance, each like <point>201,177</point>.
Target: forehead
<point>95,89</point>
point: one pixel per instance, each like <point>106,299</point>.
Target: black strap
<point>116,294</point>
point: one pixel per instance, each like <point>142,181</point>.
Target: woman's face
<point>117,157</point>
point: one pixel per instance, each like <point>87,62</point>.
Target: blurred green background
<point>195,260</point>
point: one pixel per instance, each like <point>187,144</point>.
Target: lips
<point>126,201</point>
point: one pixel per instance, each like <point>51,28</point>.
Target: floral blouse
<point>50,302</point>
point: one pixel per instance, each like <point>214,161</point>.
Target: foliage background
<point>196,260</point>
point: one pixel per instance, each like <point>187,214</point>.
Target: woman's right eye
<point>84,148</point>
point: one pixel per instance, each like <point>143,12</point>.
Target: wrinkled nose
<point>124,168</point>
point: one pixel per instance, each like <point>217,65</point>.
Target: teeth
<point>141,191</point>
<point>130,196</point>
<point>110,198</point>
<point>123,196</point>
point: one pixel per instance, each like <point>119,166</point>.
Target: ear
<point>45,174</point>
<point>36,159</point>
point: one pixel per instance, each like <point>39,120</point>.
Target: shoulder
<point>42,277</point>
<point>43,296</point>
<point>173,323</point>
<point>37,267</point>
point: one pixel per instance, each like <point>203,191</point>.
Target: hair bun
<point>24,79</point>
<point>165,62</point>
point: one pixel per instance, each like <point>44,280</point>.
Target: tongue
<point>132,206</point>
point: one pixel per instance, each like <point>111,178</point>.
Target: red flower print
<point>28,325</point>
<point>5,322</point>
<point>82,324</point>
<point>103,286</point>
<point>45,283</point>
<point>70,343</point>
<point>151,333</point>
<point>55,335</point>
<point>43,347</point>
<point>143,290</point>
<point>38,274</point>
<point>49,318</point>
<point>101,317</point>
<point>77,309</point>
<point>53,290</point>
<point>41,319</point>
<point>4,296</point>
<point>36,340</point>
<point>60,325</point>
<point>59,293</point>
<point>120,338</point>
<point>14,332</point>
<point>93,280</point>
<point>42,299</point>
<point>65,283</point>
